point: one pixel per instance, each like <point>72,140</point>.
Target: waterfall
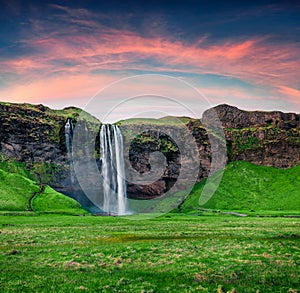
<point>69,128</point>
<point>68,136</point>
<point>113,171</point>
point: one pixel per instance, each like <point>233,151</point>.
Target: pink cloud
<point>75,57</point>
<point>292,93</point>
<point>252,60</point>
<point>58,88</point>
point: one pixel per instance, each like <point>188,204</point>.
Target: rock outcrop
<point>35,136</point>
<point>262,138</point>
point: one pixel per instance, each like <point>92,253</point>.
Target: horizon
<point>145,117</point>
<point>59,53</point>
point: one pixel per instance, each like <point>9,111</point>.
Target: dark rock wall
<point>262,138</point>
<point>32,133</point>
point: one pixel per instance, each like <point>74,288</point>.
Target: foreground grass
<point>51,253</point>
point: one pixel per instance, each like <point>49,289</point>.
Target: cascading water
<point>69,128</point>
<point>113,171</point>
<point>68,136</point>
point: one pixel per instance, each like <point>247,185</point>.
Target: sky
<point>127,58</point>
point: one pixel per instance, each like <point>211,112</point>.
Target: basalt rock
<point>262,138</point>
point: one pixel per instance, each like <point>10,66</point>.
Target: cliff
<point>35,136</point>
<point>262,138</point>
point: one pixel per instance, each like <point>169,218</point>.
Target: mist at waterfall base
<point>101,187</point>
<point>125,169</point>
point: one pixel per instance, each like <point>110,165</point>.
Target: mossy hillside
<point>41,172</point>
<point>248,187</point>
<point>248,138</point>
<point>15,191</point>
<point>52,201</point>
<point>12,166</point>
<point>18,193</point>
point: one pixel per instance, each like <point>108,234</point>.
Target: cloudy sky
<point>62,53</point>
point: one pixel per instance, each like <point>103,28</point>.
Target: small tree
<point>42,173</point>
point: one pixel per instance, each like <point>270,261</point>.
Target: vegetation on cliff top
<point>68,112</point>
<point>40,119</point>
<point>164,121</point>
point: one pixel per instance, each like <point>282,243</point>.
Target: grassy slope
<point>52,201</point>
<point>246,187</point>
<point>16,191</point>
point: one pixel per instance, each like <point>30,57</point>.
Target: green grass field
<point>173,253</point>
<point>44,247</point>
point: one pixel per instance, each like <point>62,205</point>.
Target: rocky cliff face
<point>169,149</point>
<point>36,135</point>
<point>262,138</point>
<point>32,133</point>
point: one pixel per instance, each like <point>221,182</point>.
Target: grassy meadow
<point>48,243</point>
<point>172,253</point>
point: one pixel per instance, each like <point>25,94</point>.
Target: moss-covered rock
<point>32,139</point>
<point>262,138</point>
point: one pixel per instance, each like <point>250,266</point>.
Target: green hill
<point>15,191</point>
<point>244,187</point>
<point>248,187</point>
<point>18,193</point>
<point>52,201</point>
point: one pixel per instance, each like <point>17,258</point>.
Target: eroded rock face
<point>35,135</point>
<point>262,138</point>
<point>232,117</point>
<point>30,133</point>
